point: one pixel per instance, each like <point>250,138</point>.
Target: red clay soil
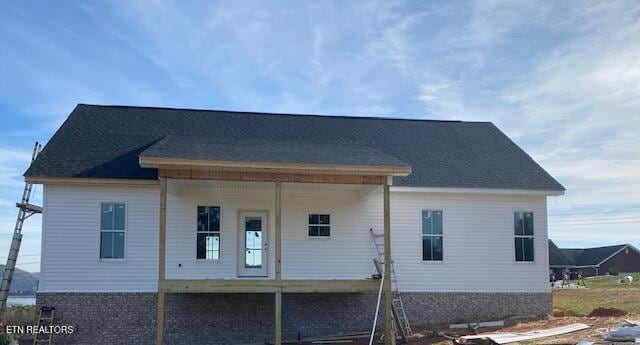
<point>613,312</point>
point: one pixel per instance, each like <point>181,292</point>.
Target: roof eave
<point>89,181</point>
<point>339,169</point>
<point>498,191</point>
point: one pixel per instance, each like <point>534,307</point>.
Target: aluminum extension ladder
<point>399,313</point>
<point>25,210</point>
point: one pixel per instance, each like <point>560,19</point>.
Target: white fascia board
<point>476,191</point>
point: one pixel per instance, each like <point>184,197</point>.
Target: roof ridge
<point>367,117</point>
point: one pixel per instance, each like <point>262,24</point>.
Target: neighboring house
<point>593,261</point>
<point>216,227</point>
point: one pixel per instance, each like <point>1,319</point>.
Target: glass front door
<point>253,244</point>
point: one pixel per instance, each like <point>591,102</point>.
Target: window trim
<point>532,236</point>
<point>422,235</point>
<point>309,237</point>
<point>196,232</point>
<point>126,227</point>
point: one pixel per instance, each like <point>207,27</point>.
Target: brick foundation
<point>129,318</point>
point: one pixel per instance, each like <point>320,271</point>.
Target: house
<point>593,261</point>
<point>214,227</point>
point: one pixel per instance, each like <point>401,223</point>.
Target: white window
<point>523,231</point>
<point>208,233</point>
<point>319,225</point>
<point>432,244</point>
<point>112,230</point>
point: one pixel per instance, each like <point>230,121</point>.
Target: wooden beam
<point>269,176</point>
<point>330,285</point>
<point>388,298</point>
<point>160,319</point>
<point>219,285</point>
<point>278,232</point>
<point>268,285</point>
<point>162,237</point>
<point>277,331</point>
<point>159,162</point>
<point>277,334</point>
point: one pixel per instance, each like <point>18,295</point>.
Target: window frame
<point>100,231</point>
<point>422,236</point>
<point>219,232</point>
<point>318,237</point>
<point>532,237</point>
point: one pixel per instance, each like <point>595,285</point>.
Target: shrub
<point>20,315</point>
<point>5,339</point>
<point>613,271</point>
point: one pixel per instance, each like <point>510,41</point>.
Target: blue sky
<point>562,79</point>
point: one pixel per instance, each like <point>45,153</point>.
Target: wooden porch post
<point>388,329</point>
<point>161,261</point>
<point>277,333</point>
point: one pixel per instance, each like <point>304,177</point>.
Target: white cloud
<point>561,78</point>
<point>575,106</point>
<point>10,167</point>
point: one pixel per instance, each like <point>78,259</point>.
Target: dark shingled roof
<point>557,257</point>
<point>105,142</point>
<point>272,151</point>
<point>580,256</point>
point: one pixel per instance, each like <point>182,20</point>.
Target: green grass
<point>600,292</point>
<point>610,282</point>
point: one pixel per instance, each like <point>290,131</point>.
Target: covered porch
<point>178,176</point>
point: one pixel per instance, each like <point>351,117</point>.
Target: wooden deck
<point>268,285</point>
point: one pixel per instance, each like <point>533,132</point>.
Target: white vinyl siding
<point>478,245</point>
<point>301,258</point>
<point>71,240</point>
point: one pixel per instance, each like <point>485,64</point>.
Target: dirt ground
<point>598,326</point>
